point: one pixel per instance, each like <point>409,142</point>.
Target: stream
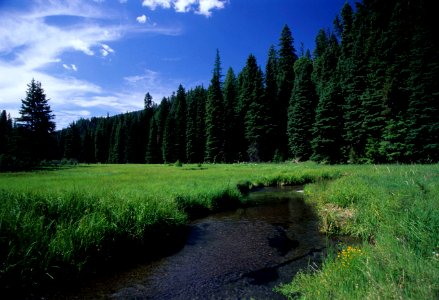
<point>239,254</point>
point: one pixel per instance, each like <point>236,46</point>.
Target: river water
<point>239,254</point>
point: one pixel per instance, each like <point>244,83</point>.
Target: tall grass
<point>395,212</point>
<point>56,223</point>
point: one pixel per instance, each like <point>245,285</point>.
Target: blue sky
<point>95,57</point>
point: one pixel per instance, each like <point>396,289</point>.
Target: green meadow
<point>57,224</point>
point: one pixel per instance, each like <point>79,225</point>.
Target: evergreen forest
<point>368,93</point>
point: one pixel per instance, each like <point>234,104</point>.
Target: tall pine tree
<point>270,95</point>
<point>195,137</point>
<point>180,124</point>
<point>285,82</point>
<point>153,155</point>
<point>301,112</point>
<point>5,131</point>
<point>37,121</point>
<point>327,143</point>
<point>169,135</point>
<point>214,116</point>
<point>230,117</point>
<point>423,109</point>
<point>252,98</point>
<point>353,84</point>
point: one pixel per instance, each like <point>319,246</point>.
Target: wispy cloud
<point>202,7</point>
<point>105,50</point>
<point>70,67</point>
<point>152,82</point>
<point>31,46</point>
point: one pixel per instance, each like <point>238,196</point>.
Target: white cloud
<point>105,50</point>
<point>71,67</point>
<point>81,46</point>
<point>205,6</point>
<point>153,4</point>
<point>141,19</point>
<point>202,7</point>
<point>183,5</point>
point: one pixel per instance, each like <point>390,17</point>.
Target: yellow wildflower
<point>346,255</point>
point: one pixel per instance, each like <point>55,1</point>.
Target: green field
<point>57,223</point>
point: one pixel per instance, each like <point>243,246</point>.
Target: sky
<point>99,57</point>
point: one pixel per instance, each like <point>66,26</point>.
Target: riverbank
<point>394,210</point>
<point>56,225</point>
<point>240,253</point>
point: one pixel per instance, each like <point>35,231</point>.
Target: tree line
<point>367,94</point>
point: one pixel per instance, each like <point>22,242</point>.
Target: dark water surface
<point>240,254</point>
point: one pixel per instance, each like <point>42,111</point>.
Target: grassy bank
<point>57,223</point>
<point>54,223</point>
<point>395,212</point>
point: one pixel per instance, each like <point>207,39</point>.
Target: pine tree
<point>169,134</point>
<point>252,98</point>
<point>87,149</point>
<point>132,138</point>
<point>6,137</point>
<point>394,50</point>
<point>270,95</point>
<point>301,112</point>
<point>117,142</point>
<point>180,124</point>
<point>191,127</point>
<point>423,108</point>
<point>5,131</point>
<point>347,20</point>
<point>230,103</point>
<point>163,112</point>
<point>384,99</point>
<point>143,127</point>
<point>195,130</point>
<point>153,155</point>
<point>201,96</point>
<point>327,143</point>
<point>102,141</point>
<point>241,110</point>
<point>354,83</point>
<point>287,58</point>
<point>72,142</point>
<point>148,104</point>
<point>214,116</point>
<point>136,137</point>
<point>37,120</point>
